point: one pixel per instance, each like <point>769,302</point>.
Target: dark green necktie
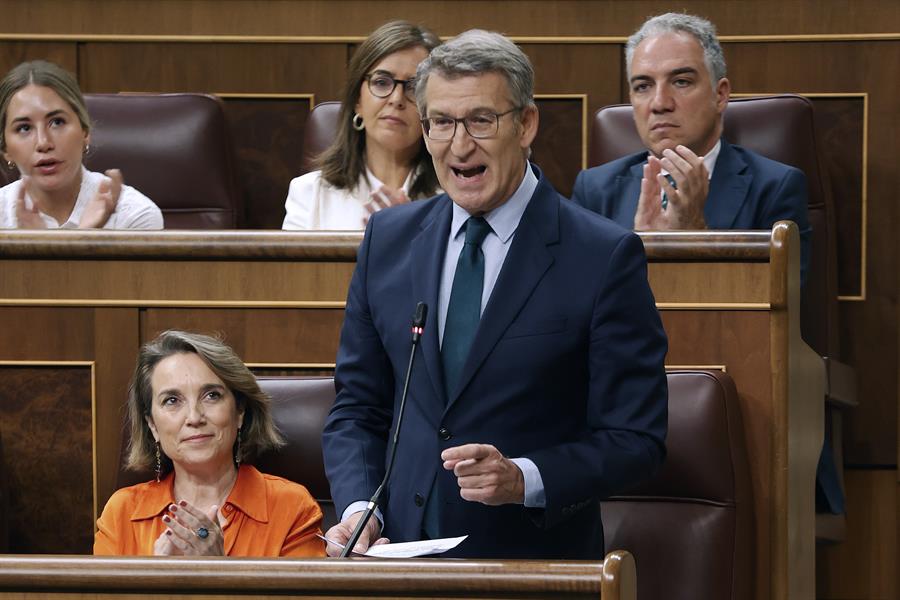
<point>464,310</point>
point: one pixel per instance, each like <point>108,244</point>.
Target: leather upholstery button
<point>419,500</point>
<point>445,433</point>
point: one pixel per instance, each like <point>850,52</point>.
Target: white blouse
<point>313,203</point>
<point>133,211</point>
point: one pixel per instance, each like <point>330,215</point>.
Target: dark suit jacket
<point>747,191</point>
<point>566,369</point>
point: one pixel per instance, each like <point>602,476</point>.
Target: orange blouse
<point>265,516</point>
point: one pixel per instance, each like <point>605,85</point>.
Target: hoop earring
<point>357,121</point>
<point>11,165</point>
<point>237,452</point>
<point>158,464</point>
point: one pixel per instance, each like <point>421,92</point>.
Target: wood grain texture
<point>213,68</point>
<point>359,17</point>
<point>267,134</point>
<point>46,423</point>
<point>258,336</point>
<point>613,580</point>
<point>872,527</point>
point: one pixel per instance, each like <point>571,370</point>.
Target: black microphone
<point>418,327</point>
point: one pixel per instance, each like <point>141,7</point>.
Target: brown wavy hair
<point>344,161</point>
<point>258,432</point>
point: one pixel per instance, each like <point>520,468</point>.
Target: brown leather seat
<point>175,148</point>
<point>690,528</point>
<point>781,128</point>
<point>321,128</point>
<point>299,408</point>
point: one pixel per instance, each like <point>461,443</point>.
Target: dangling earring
<point>158,464</point>
<point>87,148</point>
<point>357,121</point>
<point>237,452</point>
<point>11,165</point>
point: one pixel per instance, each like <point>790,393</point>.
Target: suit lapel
<point>427,264</point>
<point>727,189</point>
<point>527,261</point>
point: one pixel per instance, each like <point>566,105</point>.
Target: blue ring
<point>203,533</point>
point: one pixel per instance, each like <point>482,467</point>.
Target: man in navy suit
<point>690,177</point>
<point>539,385</point>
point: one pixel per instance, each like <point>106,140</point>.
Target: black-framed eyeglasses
<point>479,125</point>
<point>382,85</point>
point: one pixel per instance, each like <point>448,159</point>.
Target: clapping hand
<point>190,532</point>
<point>103,204</point>
<point>27,218</point>
<point>686,199</point>
<point>383,197</point>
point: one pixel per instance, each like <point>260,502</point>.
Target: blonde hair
<point>47,74</point>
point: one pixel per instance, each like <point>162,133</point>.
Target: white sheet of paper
<point>411,549</point>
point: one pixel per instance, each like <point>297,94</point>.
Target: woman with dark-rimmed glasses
<point>378,158</point>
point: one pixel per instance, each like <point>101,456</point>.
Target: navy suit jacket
<point>747,191</point>
<point>566,369</point>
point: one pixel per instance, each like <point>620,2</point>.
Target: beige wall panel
<point>214,68</point>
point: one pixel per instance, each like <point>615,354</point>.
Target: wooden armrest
<point>840,384</point>
<point>619,576</point>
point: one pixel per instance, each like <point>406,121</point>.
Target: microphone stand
<point>418,327</point>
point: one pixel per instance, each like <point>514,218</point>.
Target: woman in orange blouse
<point>196,412</point>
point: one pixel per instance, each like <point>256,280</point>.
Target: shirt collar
<point>505,218</point>
<point>375,183</point>
<point>248,495</point>
<point>709,160</point>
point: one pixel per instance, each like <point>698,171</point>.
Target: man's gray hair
<point>474,52</point>
<point>702,30</point>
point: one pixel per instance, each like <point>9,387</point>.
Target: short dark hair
<point>258,432</point>
<point>344,161</point>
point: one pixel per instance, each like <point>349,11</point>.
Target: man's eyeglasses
<point>382,85</point>
<point>479,125</point>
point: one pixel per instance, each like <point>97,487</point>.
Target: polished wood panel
<point>516,17</point>
<point>558,147</point>
<point>214,68</point>
<point>46,421</point>
<point>295,321</point>
<point>869,333</point>
<point>258,336</point>
<point>873,505</point>
<point>53,577</point>
<point>62,53</point>
<point>267,133</point>
<point>841,122</point>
